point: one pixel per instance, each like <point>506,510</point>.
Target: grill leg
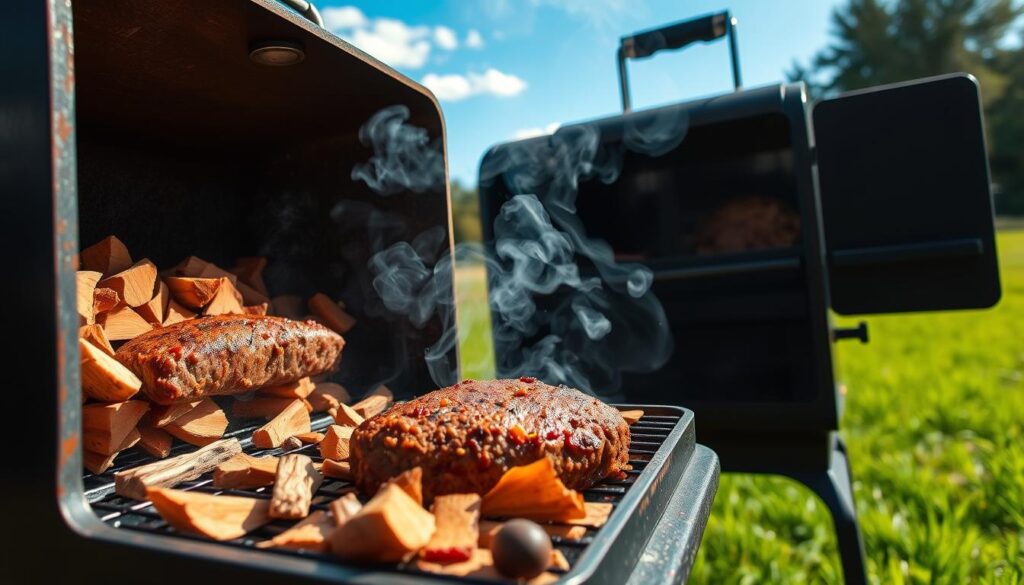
<point>835,489</point>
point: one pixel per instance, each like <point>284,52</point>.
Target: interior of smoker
<point>737,306</point>
<point>187,147</point>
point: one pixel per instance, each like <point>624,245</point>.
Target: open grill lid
<point>905,198</point>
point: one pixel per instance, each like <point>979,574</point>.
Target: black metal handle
<point>306,8</point>
<point>922,251</point>
<point>859,332</point>
<point>676,36</point>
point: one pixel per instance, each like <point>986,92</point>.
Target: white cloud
<point>474,40</point>
<point>343,17</point>
<point>599,13</point>
<point>524,133</point>
<point>445,38</point>
<point>456,87</point>
<point>393,42</point>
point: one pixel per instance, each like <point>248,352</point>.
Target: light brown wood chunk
<point>389,527</point>
<point>156,442</point>
<point>347,416</point>
<point>335,444</point>
<point>133,483</point>
<point>458,527</point>
<point>104,299</point>
<point>226,301</point>
<point>194,293</point>
<point>337,469</point>
<point>296,482</point>
<point>177,313</point>
<point>216,517</point>
<point>300,388</point>
<point>135,285</point>
<point>310,438</point>
<point>98,463</point>
<point>85,286</point>
<point>372,405</point>
<point>108,256</point>
<point>294,419</point>
<point>123,324</point>
<point>94,334</point>
<point>330,314</point>
<point>105,426</point>
<point>631,416</point>
<point>308,534</point>
<point>103,377</point>
<point>261,407</point>
<point>244,471</point>
<point>154,310</point>
<point>328,395</point>
<point>344,508</point>
<point>409,481</point>
<point>161,415</point>
<point>201,425</point>
<point>259,310</point>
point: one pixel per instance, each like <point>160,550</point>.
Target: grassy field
<point>934,424</point>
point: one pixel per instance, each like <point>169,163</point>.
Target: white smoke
<point>549,319</point>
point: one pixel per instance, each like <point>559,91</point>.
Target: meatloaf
<point>228,354</point>
<point>466,436</point>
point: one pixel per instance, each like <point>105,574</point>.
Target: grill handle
<point>676,36</point>
<point>306,8</point>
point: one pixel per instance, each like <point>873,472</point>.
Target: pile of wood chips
<point>119,299</point>
<point>452,537</point>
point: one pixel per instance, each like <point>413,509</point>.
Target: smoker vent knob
<point>859,332</point>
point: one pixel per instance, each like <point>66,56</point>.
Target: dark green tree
<point>465,213</point>
<point>877,42</point>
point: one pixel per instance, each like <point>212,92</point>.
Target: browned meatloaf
<point>467,435</point>
<point>228,354</point>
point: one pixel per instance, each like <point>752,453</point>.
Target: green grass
<point>934,424</point>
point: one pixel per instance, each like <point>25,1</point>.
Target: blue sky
<point>507,68</point>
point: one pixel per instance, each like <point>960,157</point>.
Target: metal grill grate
<point>648,435</point>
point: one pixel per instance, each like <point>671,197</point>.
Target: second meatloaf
<point>466,436</point>
<point>228,354</point>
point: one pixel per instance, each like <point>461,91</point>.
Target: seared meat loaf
<point>228,354</point>
<point>467,435</point>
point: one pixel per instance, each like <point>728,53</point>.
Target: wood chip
<point>383,390</point>
<point>344,508</point>
<point>337,469</point>
<point>177,313</point>
<point>347,416</point>
<point>309,534</point>
<point>290,306</point>
<point>300,388</point>
<point>154,310</point>
<point>389,527</point>
<point>244,471</point>
<point>161,415</point>
<point>330,314</point>
<point>296,482</point>
<point>335,444</point>
<point>98,463</point>
<point>328,395</point>
<point>94,334</point>
<point>105,426</point>
<point>260,407</point>
<point>558,560</point>
<point>156,442</point>
<point>132,483</point>
<point>194,293</point>
<point>216,517</point>
<point>291,444</point>
<point>372,405</point>
<point>597,514</point>
<point>108,256</point>
<point>259,310</point>
<point>294,419</point>
<point>631,416</point>
<point>201,425</point>
<point>104,299</point>
<point>85,286</point>
<point>489,528</point>
<point>457,518</point>
<point>481,568</point>
<point>310,438</point>
<point>534,492</point>
<point>103,377</point>
<point>226,301</point>
<point>409,481</point>
<point>135,285</point>
<point>123,324</point>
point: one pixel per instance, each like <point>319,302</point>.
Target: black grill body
<point>149,121</point>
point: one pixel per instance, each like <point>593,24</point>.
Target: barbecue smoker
<point>771,212</point>
<point>224,129</point>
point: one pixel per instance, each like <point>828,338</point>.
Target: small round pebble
<point>521,549</point>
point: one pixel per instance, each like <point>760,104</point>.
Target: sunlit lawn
<point>934,424</point>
